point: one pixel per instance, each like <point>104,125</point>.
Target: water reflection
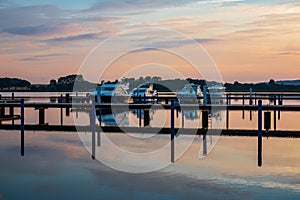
<point>113,119</point>
<point>191,114</point>
<point>58,165</point>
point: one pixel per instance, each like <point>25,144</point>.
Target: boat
<point>216,94</point>
<point>111,93</point>
<point>144,93</point>
<point>190,93</point>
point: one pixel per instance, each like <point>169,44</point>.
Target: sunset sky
<point>249,40</point>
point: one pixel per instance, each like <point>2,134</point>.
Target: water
<point>57,165</point>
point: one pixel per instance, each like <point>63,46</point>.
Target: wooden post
<point>259,139</point>
<point>243,115</point>
<point>76,101</point>
<point>267,120</point>
<point>98,138</point>
<point>227,118</point>
<point>182,112</point>
<point>22,127</point>
<point>100,117</point>
<point>146,117</point>
<point>140,117</point>
<point>227,113</point>
<point>204,146</point>
<point>61,111</point>
<point>250,98</point>
<point>1,110</point>
<point>274,114</point>
<point>67,101</point>
<point>250,103</point>
<point>172,132</point>
<point>67,98</point>
<point>93,124</point>
<point>41,116</point>
<point>227,99</point>
<point>279,103</point>
<point>204,119</point>
<point>11,109</point>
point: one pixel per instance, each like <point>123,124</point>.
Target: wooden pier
<point>170,103</point>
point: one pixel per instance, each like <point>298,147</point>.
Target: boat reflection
<point>191,114</point>
<point>113,118</point>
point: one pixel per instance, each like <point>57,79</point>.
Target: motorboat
<point>190,93</point>
<point>144,93</point>
<point>111,93</point>
<point>216,94</point>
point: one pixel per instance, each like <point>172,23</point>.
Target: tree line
<point>66,84</point>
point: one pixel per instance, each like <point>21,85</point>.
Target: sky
<point>248,40</point>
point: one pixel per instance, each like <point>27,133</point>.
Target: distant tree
<point>148,79</point>
<point>53,82</point>
<point>156,78</point>
<point>271,82</point>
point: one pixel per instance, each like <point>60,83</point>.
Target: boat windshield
<point>142,89</point>
<point>108,89</point>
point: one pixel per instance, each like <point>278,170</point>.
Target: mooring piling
<point>61,111</point>
<point>279,103</point>
<point>275,113</point>
<point>93,124</point>
<point>259,139</point>
<point>172,132</point>
<point>204,145</point>
<point>22,127</point>
<point>243,112</point>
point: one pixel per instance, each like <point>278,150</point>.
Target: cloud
<point>119,5</point>
<point>29,16</point>
<point>222,2</point>
<point>40,20</point>
<point>288,53</point>
<point>180,43</point>
<point>144,50</point>
<point>42,57</point>
<point>129,5</point>
<point>165,45</point>
<point>31,30</point>
<point>48,23</point>
<point>85,36</point>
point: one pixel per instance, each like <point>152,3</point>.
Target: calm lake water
<point>58,165</point>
